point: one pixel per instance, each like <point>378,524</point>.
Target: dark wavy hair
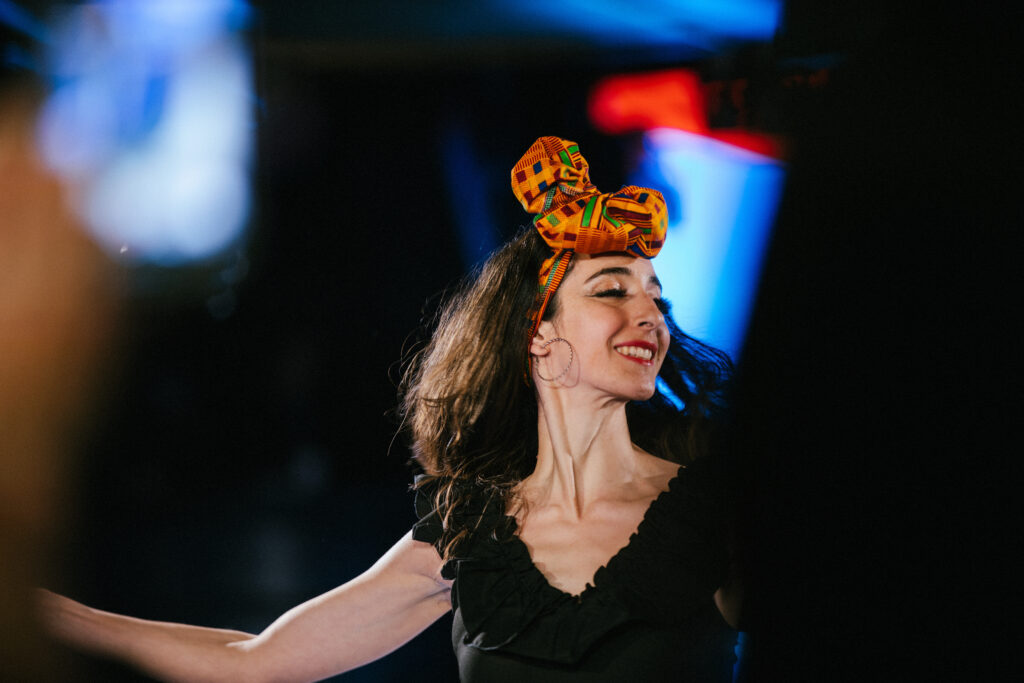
<point>471,413</point>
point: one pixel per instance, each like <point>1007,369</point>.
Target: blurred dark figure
<point>56,315</point>
<point>873,379</point>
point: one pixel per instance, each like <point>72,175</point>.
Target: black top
<point>648,616</point>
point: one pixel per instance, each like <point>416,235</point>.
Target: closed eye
<point>664,305</point>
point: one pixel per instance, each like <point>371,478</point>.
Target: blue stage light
<point>706,24</point>
<point>150,121</point>
<point>712,257</point>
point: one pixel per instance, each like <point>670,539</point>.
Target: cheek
<point>594,326</point>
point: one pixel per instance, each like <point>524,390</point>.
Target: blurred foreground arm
<point>352,625</point>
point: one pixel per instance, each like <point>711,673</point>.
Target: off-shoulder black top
<point>649,614</point>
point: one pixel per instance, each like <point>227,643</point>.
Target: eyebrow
<point>622,270</point>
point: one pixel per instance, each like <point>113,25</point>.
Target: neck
<point>584,452</point>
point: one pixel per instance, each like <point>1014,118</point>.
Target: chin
<point>642,393</point>
<point>630,389</point>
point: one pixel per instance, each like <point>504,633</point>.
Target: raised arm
<point>353,624</point>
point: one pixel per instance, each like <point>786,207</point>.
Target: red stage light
<point>665,99</point>
<point>669,99</point>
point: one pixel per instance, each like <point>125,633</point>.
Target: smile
<point>640,352</point>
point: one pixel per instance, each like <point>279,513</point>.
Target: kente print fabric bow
<point>552,181</point>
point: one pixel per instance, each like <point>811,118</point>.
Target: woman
<point>556,520</point>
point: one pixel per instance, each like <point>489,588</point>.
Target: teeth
<point>635,352</point>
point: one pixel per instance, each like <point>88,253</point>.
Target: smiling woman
<point>568,515</point>
<point>611,305</point>
<point>574,540</point>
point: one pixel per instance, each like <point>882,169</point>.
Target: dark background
<point>245,459</point>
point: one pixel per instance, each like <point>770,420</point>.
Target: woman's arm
<point>353,624</point>
<point>729,600</point>
<point>729,597</point>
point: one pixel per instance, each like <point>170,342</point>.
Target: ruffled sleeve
<point>428,527</point>
<point>475,512</point>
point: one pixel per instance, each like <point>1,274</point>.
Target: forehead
<point>586,266</point>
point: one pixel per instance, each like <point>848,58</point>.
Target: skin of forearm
<point>346,627</point>
<point>176,652</point>
<point>167,651</point>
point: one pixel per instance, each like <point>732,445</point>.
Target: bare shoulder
<point>654,471</point>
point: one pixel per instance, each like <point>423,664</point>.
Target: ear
<point>545,332</point>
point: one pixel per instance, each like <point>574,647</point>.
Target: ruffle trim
<point>668,569</point>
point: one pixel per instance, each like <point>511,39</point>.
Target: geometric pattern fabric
<point>552,181</point>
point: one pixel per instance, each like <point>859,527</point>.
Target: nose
<point>647,313</point>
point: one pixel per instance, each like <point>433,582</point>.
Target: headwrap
<point>552,180</point>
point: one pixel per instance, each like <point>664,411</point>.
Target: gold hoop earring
<point>572,354</point>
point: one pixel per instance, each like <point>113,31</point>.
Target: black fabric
<point>648,615</point>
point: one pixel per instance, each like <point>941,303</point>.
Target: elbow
<point>729,600</point>
<point>253,662</point>
<point>248,664</point>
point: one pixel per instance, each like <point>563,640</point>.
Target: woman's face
<point>610,309</point>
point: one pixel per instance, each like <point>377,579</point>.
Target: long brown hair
<point>472,415</point>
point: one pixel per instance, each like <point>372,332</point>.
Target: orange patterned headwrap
<point>552,180</point>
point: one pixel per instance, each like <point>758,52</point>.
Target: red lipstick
<point>638,344</point>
